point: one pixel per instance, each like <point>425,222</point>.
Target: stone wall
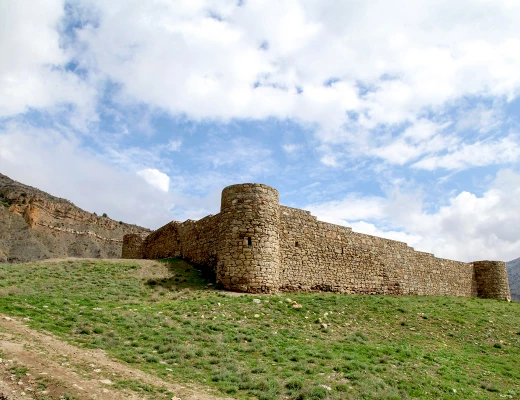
<point>163,243</point>
<point>196,241</point>
<point>321,256</point>
<point>133,246</point>
<point>199,240</point>
<point>256,245</point>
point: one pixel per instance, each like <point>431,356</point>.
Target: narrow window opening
<point>178,241</point>
<point>342,250</point>
<point>296,244</point>
<point>249,241</point>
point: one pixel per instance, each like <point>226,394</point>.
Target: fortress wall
<point>319,256</point>
<point>316,255</point>
<point>163,243</point>
<point>257,245</point>
<point>199,240</point>
<point>425,274</point>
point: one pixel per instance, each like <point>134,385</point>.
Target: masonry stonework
<point>257,245</point>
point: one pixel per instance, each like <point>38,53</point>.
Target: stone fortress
<point>257,245</point>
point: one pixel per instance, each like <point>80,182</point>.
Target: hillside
<point>513,273</point>
<point>35,225</point>
<point>167,321</point>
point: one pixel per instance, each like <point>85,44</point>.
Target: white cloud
<point>155,178</point>
<point>270,58</point>
<point>32,66</point>
<point>351,208</point>
<point>53,161</point>
<point>405,66</point>
<point>502,151</point>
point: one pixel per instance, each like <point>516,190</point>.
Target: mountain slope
<point>35,225</point>
<point>513,274</point>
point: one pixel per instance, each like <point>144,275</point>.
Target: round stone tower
<point>249,251</point>
<point>492,282</point>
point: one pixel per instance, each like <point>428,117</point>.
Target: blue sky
<point>398,119</point>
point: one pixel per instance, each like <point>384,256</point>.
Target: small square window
<point>296,244</point>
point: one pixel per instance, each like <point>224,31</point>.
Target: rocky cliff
<point>35,225</point>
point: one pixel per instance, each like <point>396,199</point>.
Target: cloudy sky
<point>399,119</point>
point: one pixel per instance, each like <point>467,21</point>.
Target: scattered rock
<point>324,326</point>
<point>257,301</point>
<point>297,306</point>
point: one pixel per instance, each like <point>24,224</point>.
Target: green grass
<point>374,347</point>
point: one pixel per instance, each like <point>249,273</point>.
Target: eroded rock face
<point>35,225</point>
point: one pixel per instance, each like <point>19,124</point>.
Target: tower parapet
<point>249,251</point>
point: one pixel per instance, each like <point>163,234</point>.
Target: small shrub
<point>294,384</point>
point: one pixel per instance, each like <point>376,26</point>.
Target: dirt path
<point>35,365</point>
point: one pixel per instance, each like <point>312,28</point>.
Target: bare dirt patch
<point>36,365</point>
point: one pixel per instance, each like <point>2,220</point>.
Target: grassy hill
<point>513,272</point>
<point>169,322</point>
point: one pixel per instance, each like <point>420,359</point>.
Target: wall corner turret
<point>491,279</point>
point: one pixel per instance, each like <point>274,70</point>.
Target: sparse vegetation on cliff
<point>4,201</point>
<point>170,322</point>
